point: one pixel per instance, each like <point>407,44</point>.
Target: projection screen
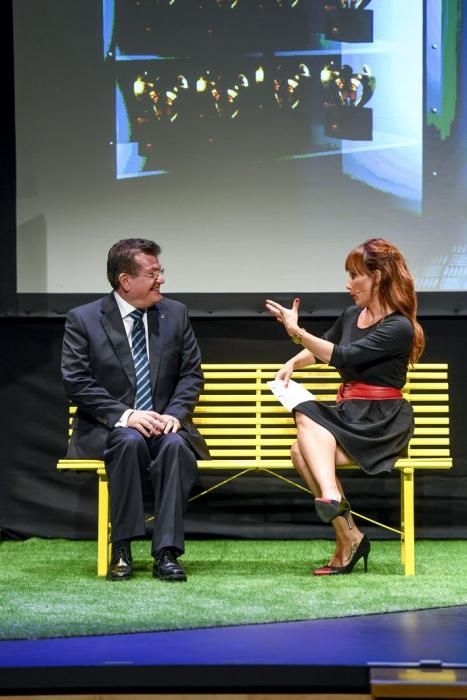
<point>256,140</point>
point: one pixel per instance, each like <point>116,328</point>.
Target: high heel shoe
<point>327,509</point>
<point>363,550</point>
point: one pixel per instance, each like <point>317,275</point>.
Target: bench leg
<point>103,545</point>
<point>408,521</point>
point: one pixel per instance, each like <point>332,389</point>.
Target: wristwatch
<point>298,336</point>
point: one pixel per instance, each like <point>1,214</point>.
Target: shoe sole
<point>118,578</point>
<point>171,577</point>
<point>319,572</point>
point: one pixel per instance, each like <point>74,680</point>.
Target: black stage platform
<point>336,655</point>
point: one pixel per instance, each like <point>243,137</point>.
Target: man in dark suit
<point>131,364</point>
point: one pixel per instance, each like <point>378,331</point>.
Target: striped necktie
<point>140,358</point>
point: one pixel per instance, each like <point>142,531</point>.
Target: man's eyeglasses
<point>153,275</point>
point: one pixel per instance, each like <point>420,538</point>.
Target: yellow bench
<point>248,430</point>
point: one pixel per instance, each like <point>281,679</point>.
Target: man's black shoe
<point>121,564</point>
<point>166,566</point>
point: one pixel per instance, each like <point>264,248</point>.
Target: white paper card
<point>291,395</point>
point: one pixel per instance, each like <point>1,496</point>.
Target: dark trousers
<point>171,465</point>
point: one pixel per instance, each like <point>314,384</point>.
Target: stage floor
<point>321,655</point>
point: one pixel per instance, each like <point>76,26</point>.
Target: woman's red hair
<point>396,288</point>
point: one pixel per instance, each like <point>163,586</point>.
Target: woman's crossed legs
<point>315,456</point>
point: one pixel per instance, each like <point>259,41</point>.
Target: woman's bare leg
<point>346,540</point>
<point>302,468</point>
<point>318,447</point>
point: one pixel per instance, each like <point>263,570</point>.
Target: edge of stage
<point>333,655</point>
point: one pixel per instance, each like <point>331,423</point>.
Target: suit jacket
<point>99,375</point>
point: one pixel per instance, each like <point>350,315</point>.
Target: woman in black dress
<point>371,345</point>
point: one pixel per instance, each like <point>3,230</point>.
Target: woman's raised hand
<point>288,317</point>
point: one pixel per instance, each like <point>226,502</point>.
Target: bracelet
<point>297,337</point>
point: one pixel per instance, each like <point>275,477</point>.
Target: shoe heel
<point>362,552</point>
<point>346,515</point>
<point>328,509</point>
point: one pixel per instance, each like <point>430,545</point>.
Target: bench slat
<point>230,440</point>
<point>241,430</point>
<point>270,398</point>
<point>419,366</point>
<point>257,384</point>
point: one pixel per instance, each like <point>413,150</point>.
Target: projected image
<point>346,88</point>
<point>253,110</point>
<point>346,21</point>
<point>182,95</point>
<point>181,27</point>
<point>245,110</point>
<point>229,128</point>
<point>347,93</point>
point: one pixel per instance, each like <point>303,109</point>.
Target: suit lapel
<point>156,328</point>
<point>112,322</point>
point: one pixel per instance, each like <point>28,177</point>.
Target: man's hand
<point>152,424</point>
<point>148,423</point>
<point>172,424</point>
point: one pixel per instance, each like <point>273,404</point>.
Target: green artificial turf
<point>49,588</point>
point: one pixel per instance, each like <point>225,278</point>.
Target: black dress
<point>373,433</point>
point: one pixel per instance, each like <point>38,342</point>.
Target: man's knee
<point>126,439</point>
<point>173,450</point>
<point>174,440</point>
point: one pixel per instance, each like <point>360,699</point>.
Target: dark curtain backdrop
<point>36,500</point>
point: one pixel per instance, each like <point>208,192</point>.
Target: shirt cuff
<point>123,420</point>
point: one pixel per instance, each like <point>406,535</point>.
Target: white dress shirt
<point>125,310</point>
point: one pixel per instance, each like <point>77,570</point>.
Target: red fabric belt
<point>360,390</point>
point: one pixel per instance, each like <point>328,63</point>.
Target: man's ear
<point>124,281</point>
